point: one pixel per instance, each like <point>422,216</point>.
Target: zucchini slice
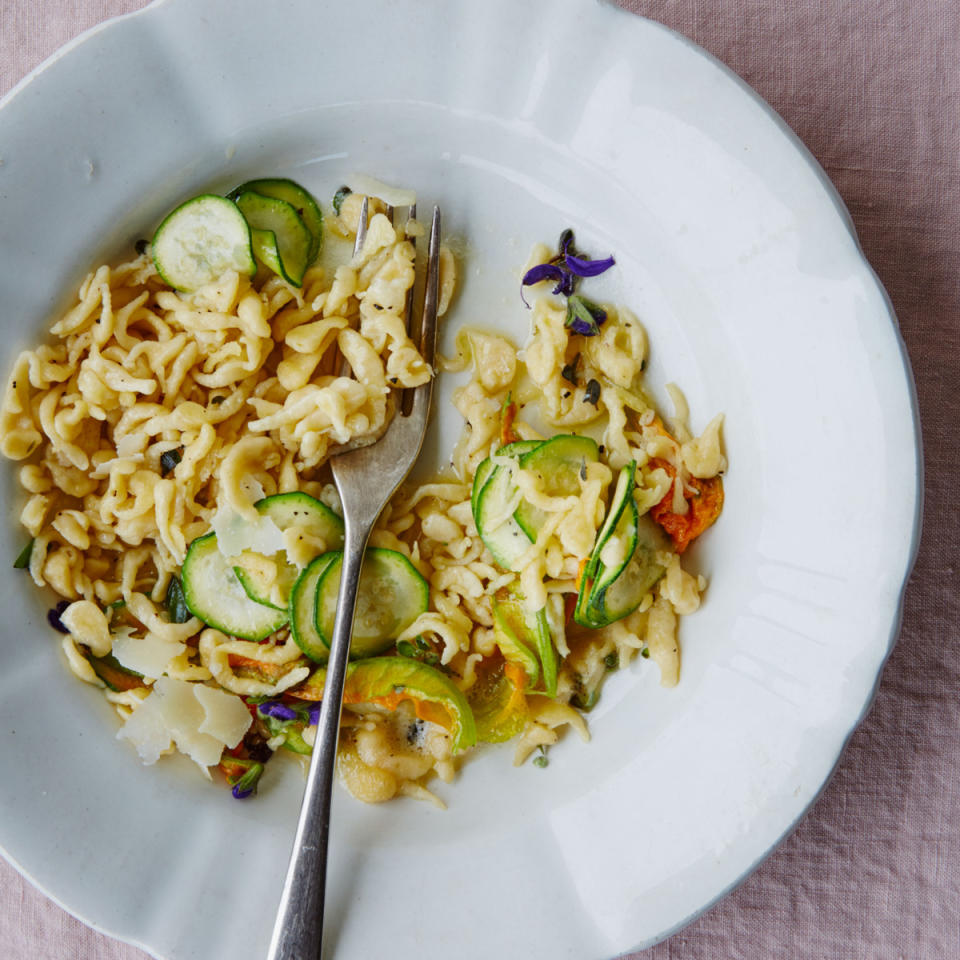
<point>558,463</point>
<point>622,566</point>
<point>621,494</point>
<point>213,593</point>
<point>392,594</point>
<point>200,241</point>
<point>506,540</point>
<point>615,598</point>
<point>271,583</point>
<point>516,449</point>
<point>281,241</point>
<point>303,608</point>
<point>300,199</point>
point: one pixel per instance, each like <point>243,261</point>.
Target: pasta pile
<point>150,411</point>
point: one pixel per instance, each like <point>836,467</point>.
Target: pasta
<point>154,417</point>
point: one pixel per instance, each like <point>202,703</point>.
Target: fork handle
<point>298,931</point>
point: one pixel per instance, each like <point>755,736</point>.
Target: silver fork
<point>366,478</point>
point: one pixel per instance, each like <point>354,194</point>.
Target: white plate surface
<point>519,119</point>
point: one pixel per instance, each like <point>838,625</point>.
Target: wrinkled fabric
<point>873,89</point>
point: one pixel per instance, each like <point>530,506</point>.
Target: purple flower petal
<point>584,317</point>
<point>278,710</point>
<point>313,713</point>
<point>541,272</point>
<point>587,268</point>
<point>240,793</point>
<point>567,285</point>
<point>583,327</point>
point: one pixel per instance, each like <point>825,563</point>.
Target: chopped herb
<point>339,197</point>
<point>584,316</point>
<point>415,731</point>
<point>569,372</point>
<point>113,609</point>
<point>53,616</point>
<point>169,459</point>
<point>141,246</point>
<point>244,776</point>
<point>216,401</point>
<point>612,660</point>
<point>541,762</point>
<point>645,653</point>
<point>23,557</point>
<point>422,652</point>
<point>592,394</point>
<point>583,469</point>
<point>176,602</point>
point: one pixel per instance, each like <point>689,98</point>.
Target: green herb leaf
<point>612,661</point>
<point>176,602</point>
<point>541,762</point>
<point>23,558</point>
<point>406,649</point>
<point>339,197</point>
<point>169,460</point>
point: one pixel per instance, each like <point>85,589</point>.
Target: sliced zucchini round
<point>280,239</point>
<point>391,595</point>
<point>621,494</point>
<point>300,199</point>
<point>303,608</point>
<point>213,593</point>
<point>621,595</point>
<point>618,590</point>
<point>200,241</point>
<point>271,583</point>
<point>506,540</point>
<point>559,462</point>
<point>516,449</point>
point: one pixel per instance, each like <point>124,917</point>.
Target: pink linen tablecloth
<point>873,88</point>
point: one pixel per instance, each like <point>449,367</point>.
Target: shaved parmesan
<point>393,196</point>
<point>186,715</point>
<point>235,533</point>
<point>226,717</point>
<point>149,655</point>
<point>146,730</point>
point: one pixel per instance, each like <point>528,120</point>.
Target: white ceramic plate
<point>519,119</point>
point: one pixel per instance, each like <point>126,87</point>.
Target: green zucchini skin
<point>558,462</point>
<point>280,238</point>
<point>286,510</point>
<point>303,608</point>
<point>391,595</point>
<point>201,240</point>
<point>307,208</point>
<point>503,536</point>
<point>610,592</point>
<point>516,449</point>
<point>213,593</point>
